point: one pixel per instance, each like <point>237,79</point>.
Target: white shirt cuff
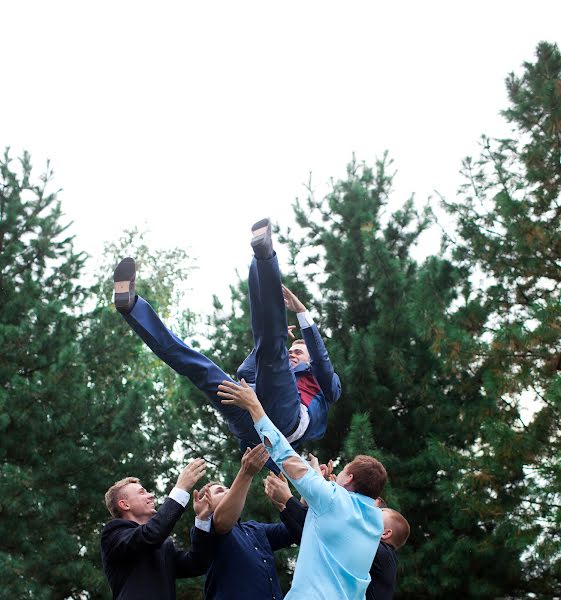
<point>180,496</point>
<point>202,525</point>
<point>304,319</point>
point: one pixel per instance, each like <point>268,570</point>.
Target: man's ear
<point>387,534</point>
<point>123,504</point>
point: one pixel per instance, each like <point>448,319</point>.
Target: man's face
<point>217,492</point>
<point>138,503</point>
<point>298,353</point>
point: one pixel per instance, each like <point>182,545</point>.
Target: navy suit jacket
<point>141,562</point>
<point>243,565</point>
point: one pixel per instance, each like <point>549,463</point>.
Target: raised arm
<point>318,493</point>
<point>196,561</point>
<point>230,508</point>
<point>320,362</point>
<point>292,512</point>
<point>122,538</point>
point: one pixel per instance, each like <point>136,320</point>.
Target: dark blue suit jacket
<point>141,562</point>
<point>321,368</point>
<point>243,566</point>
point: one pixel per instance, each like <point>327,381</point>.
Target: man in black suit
<point>139,558</point>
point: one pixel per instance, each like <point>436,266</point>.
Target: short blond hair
<point>114,494</point>
<point>399,526</point>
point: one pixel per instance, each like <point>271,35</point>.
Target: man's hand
<point>291,332</point>
<point>241,395</point>
<point>276,488</point>
<point>291,301</point>
<point>202,505</point>
<point>254,460</point>
<point>327,471</point>
<point>314,463</point>
<point>191,474</point>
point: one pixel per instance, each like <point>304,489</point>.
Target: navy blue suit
<point>243,565</point>
<point>267,367</point>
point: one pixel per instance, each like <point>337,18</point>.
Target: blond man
<point>139,558</point>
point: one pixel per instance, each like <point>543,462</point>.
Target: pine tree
<point>398,331</point>
<point>379,309</point>
<point>82,401</point>
<point>508,216</point>
<point>41,391</point>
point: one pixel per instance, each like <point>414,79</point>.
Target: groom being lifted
<point>297,386</point>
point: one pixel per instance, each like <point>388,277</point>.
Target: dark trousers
<point>275,383</point>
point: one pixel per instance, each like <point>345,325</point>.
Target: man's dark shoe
<point>262,242</point>
<point>123,279</point>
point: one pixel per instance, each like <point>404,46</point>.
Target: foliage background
<point>450,367</point>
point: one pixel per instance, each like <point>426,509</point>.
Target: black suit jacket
<point>384,568</point>
<point>141,562</point>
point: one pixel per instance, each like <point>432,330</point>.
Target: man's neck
<point>137,520</point>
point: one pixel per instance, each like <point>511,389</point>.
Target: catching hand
<point>291,301</point>
<point>239,395</point>
<point>202,505</point>
<point>191,474</point>
<point>276,488</point>
<point>254,460</point>
<point>314,463</point>
<point>327,471</point>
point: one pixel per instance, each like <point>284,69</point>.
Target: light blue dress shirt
<point>341,533</point>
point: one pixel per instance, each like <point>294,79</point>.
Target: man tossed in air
<point>297,385</point>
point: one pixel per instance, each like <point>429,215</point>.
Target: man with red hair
<point>383,572</point>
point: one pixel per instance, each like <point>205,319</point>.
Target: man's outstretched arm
<point>292,513</point>
<point>318,492</point>
<point>122,538</point>
<point>230,508</point>
<point>322,368</point>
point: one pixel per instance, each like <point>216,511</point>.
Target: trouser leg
<point>275,383</point>
<point>186,361</point>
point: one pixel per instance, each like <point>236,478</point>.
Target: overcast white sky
<point>195,119</point>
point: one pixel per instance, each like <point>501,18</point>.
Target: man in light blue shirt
<point>343,525</point>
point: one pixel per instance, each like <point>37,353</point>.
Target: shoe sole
<point>260,227</point>
<point>123,278</point>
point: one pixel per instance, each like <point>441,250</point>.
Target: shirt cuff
<point>304,319</point>
<point>202,525</point>
<point>180,496</point>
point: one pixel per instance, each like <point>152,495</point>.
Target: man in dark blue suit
<point>297,386</point>
<point>139,558</point>
<point>243,562</point>
<point>301,380</point>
